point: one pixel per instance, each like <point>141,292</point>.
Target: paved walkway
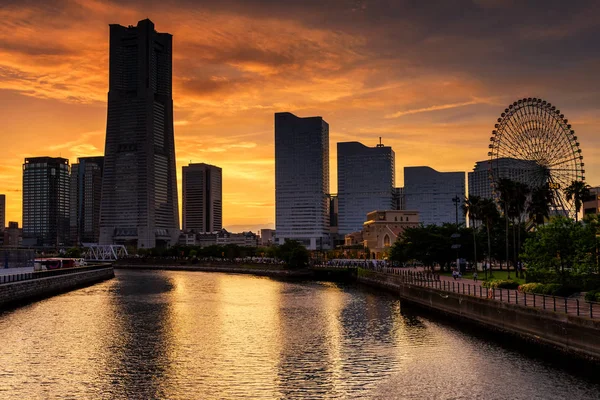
<point>568,305</point>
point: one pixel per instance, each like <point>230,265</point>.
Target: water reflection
<point>182,335</point>
<point>141,337</point>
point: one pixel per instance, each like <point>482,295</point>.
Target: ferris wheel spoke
<point>518,142</point>
<point>573,159</point>
<point>521,139</point>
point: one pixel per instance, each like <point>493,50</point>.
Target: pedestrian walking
<point>475,276</point>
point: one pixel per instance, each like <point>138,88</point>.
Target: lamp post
<point>456,200</point>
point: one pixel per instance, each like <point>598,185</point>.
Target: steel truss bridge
<point>96,252</point>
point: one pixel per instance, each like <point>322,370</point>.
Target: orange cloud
<point>430,86</point>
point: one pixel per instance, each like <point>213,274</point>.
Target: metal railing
<point>26,276</point>
<point>566,305</point>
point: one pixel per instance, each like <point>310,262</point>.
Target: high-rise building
<point>480,183</point>
<point>46,201</point>
<point>431,193</point>
<point>139,188</point>
<point>2,212</point>
<point>86,192</point>
<point>302,180</point>
<point>365,183</point>
<point>202,198</point>
<point>398,199</point>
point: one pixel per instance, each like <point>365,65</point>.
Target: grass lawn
<point>496,275</point>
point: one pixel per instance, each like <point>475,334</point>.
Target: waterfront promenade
<point>574,306</point>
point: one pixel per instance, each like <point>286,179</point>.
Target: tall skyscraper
<point>2,212</point>
<point>46,201</point>
<point>202,198</point>
<point>431,192</point>
<point>302,180</point>
<point>139,189</point>
<point>365,182</point>
<point>86,191</point>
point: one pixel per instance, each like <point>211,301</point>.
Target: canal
<point>191,335</point>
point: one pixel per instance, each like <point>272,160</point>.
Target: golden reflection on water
<point>182,335</point>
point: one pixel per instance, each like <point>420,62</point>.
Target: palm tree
<point>520,194</point>
<point>472,208</point>
<point>538,208</point>
<point>578,191</point>
<point>506,188</point>
<point>488,213</point>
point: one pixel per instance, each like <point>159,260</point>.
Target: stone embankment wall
<point>17,292</point>
<point>576,335</point>
<point>226,268</point>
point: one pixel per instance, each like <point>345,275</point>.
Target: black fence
<point>567,305</point>
<point>27,276</point>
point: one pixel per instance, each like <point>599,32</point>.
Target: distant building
<point>365,182</point>
<point>188,239</point>
<point>592,205</point>
<point>46,201</point>
<point>381,230</point>
<point>337,239</point>
<point>431,192</point>
<point>202,198</point>
<point>399,201</point>
<point>302,180</point>
<point>86,193</point>
<point>480,181</point>
<point>267,237</point>
<point>13,235</point>
<point>221,237</point>
<point>245,239</point>
<point>2,212</point>
<point>139,188</point>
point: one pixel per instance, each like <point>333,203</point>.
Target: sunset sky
<point>430,77</point>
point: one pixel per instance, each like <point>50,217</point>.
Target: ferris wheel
<point>533,143</point>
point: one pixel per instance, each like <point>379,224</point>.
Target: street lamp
<point>456,200</point>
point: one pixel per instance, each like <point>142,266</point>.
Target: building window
<point>386,241</point>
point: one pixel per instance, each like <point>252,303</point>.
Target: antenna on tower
<point>380,144</point>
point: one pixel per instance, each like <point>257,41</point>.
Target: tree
<point>520,194</point>
<point>562,248</point>
<point>73,252</point>
<point>538,208</point>
<point>489,213</point>
<point>472,208</point>
<point>578,191</point>
<point>293,253</point>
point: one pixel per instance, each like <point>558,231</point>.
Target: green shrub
<point>501,284</point>
<point>550,289</point>
<point>593,295</point>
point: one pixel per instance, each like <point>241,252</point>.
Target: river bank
<point>50,283</point>
<point>571,334</point>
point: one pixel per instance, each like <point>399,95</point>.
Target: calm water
<point>185,335</point>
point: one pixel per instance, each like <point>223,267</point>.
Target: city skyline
<point>433,96</point>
